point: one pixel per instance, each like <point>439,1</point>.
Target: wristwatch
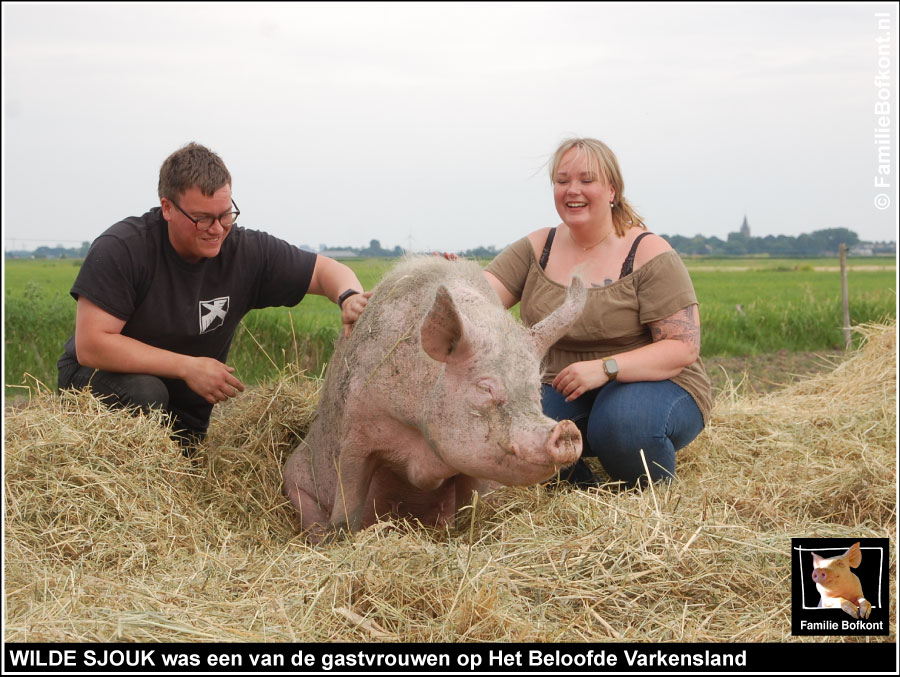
<point>611,367</point>
<point>346,295</point>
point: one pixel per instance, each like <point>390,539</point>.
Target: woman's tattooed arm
<point>681,326</point>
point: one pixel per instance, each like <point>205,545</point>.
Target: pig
<point>434,395</point>
<point>839,586</point>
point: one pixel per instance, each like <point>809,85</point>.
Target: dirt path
<point>769,372</point>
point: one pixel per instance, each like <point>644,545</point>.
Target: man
<point>160,297</point>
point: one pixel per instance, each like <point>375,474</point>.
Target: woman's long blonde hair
<point>601,158</point>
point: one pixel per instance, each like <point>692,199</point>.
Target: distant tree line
<point>818,243</point>
<point>57,252</point>
<point>375,249</point>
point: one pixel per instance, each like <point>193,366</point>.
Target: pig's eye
<point>489,392</point>
<point>485,389</point>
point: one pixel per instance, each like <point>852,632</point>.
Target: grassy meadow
<point>748,306</point>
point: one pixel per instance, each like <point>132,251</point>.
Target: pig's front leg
<point>296,477</point>
<point>848,606</point>
<point>308,509</point>
<point>864,607</point>
<point>354,475</point>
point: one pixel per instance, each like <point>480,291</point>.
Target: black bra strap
<point>546,253</point>
<point>628,266</point>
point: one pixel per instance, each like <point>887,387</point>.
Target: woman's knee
<point>635,431</point>
<point>628,456</point>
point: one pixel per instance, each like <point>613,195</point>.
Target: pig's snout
<point>820,576</point>
<point>564,445</point>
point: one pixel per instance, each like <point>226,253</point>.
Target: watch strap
<point>346,295</point>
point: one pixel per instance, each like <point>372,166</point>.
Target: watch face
<point>612,369</point>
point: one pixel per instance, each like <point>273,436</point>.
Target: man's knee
<point>145,392</point>
<point>119,390</point>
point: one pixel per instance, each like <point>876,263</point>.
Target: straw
<point>112,535</point>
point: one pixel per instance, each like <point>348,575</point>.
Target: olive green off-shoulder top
<point>615,317</point>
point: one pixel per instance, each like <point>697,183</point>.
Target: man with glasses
<point>160,297</point>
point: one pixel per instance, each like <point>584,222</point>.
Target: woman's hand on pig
<point>579,377</point>
<point>352,309</point>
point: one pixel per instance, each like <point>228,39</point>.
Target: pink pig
<point>839,586</point>
<point>434,395</point>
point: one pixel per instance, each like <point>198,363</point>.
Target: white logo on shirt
<point>212,313</point>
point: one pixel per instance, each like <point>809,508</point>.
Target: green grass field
<point>747,305</point>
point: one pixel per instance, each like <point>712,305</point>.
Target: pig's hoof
<point>314,534</point>
<point>322,534</point>
<point>334,534</point>
<point>850,608</point>
<point>864,608</point>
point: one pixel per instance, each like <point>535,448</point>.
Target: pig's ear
<point>553,327</point>
<point>853,555</point>
<point>443,330</point>
<point>816,559</point>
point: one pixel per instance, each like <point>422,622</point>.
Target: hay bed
<point>111,535</point>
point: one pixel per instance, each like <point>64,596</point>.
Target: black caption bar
<point>448,658</point>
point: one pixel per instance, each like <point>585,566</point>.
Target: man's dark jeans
<point>140,391</point>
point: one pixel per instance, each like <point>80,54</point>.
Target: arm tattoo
<point>681,326</point>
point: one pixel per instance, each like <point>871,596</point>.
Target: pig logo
<point>838,586</point>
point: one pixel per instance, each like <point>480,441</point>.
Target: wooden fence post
<point>845,296</point>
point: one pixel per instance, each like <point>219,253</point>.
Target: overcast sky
<point>430,124</point>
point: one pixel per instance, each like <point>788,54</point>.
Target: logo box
<point>808,618</point>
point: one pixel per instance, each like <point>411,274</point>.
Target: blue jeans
<point>619,419</point>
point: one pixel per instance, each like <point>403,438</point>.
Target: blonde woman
<point>629,372</point>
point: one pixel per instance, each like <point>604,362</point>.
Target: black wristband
<point>346,295</point>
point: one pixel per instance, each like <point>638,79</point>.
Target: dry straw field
<point>112,536</point>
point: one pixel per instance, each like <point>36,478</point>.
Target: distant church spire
<point>745,227</point>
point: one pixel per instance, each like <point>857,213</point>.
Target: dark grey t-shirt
<point>133,273</point>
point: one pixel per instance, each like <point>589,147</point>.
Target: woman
<point>629,372</point>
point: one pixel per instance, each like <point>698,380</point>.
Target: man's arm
<point>331,278</point>
<point>99,343</point>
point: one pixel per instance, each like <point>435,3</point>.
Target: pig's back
<point>406,293</point>
<point>416,274</point>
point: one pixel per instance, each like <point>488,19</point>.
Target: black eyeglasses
<point>228,219</point>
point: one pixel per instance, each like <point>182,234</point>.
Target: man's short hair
<point>192,166</point>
